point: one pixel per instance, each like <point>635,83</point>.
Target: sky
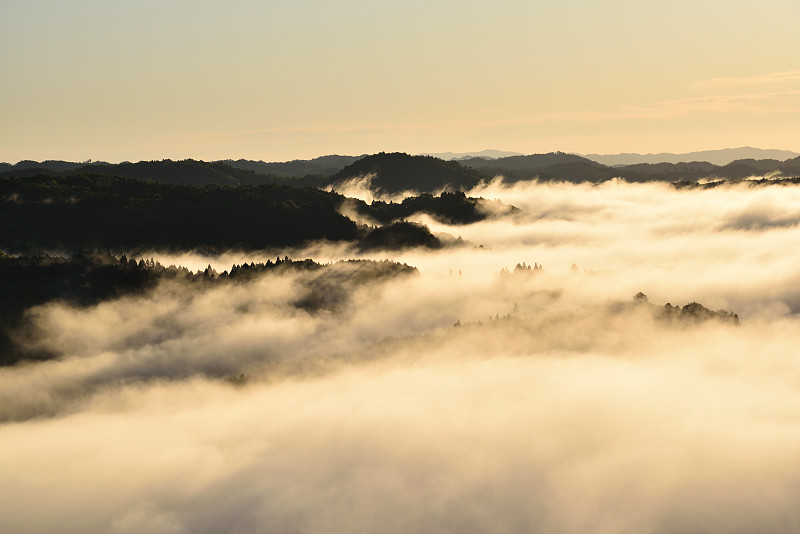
<point>278,80</point>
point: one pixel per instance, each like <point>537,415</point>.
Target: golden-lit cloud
<point>558,404</point>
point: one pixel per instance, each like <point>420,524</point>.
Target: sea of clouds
<point>457,399</point>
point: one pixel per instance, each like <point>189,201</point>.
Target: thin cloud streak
<point>761,79</point>
<point>761,103</point>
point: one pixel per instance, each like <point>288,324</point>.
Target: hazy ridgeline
<point>557,405</point>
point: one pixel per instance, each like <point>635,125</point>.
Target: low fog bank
<point>551,424</point>
<point>472,396</point>
<point>729,247</point>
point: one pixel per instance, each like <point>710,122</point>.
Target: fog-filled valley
<point>535,356</point>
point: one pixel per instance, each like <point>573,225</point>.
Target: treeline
<point>694,312</point>
<point>196,172</point>
<point>88,278</point>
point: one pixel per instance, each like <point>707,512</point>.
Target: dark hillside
<point>188,171</point>
<point>321,166</point>
<point>103,212</point>
<point>669,172</point>
<point>51,165</point>
<point>526,163</point>
<point>554,166</point>
<point>397,172</point>
<point>790,167</point>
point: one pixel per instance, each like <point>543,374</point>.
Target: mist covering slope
<point>533,380</point>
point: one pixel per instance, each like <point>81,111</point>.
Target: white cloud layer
<point>577,412</point>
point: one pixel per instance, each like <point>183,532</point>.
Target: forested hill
<point>397,172</point>
<point>189,171</point>
<point>26,166</point>
<point>321,166</point>
<point>225,172</point>
<point>179,172</point>
<point>552,166</point>
<point>85,211</point>
<point>104,212</point>
<point>526,163</point>
<point>735,170</point>
<point>558,166</point>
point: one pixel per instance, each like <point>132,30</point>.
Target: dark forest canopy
<point>102,212</point>
<point>67,213</point>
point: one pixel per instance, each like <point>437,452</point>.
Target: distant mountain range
<point>232,172</point>
<point>717,157</point>
<point>560,166</point>
<point>397,172</point>
<point>488,154</point>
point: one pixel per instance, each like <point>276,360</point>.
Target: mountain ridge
<point>487,154</point>
<point>397,172</point>
<point>722,156</point>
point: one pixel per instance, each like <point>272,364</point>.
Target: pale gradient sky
<point>278,79</point>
